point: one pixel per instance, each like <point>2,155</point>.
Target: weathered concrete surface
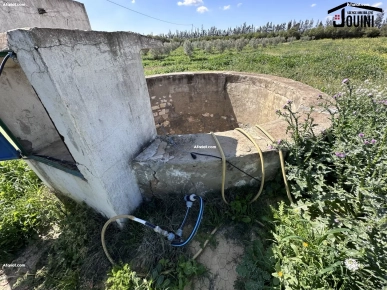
<point>249,99</point>
<point>199,102</point>
<point>92,85</point>
<point>23,113</point>
<point>221,262</point>
<point>167,165</point>
<point>65,14</point>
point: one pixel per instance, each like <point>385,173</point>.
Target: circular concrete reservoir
<point>188,106</point>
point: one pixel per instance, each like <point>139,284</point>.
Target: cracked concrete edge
<point>4,46</point>
<point>51,37</point>
<point>179,172</point>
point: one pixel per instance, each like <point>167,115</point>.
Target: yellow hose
<point>282,163</point>
<point>122,216</point>
<point>205,243</point>
<point>223,165</point>
<point>223,184</point>
<point>262,162</point>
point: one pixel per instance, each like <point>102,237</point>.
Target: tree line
<point>294,29</point>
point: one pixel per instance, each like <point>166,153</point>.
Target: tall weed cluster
<point>335,235</point>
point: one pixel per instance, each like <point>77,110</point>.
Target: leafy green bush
<point>166,275</point>
<point>338,237</point>
<point>316,254</point>
<point>123,278</point>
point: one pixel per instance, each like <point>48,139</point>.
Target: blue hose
<point>196,227</point>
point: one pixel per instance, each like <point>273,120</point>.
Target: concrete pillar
<point>65,14</point>
<point>92,86</point>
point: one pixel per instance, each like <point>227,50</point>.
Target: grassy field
<point>334,237</point>
<point>321,64</point>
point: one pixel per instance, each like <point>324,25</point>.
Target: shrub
<point>316,254</point>
<point>188,48</point>
<point>220,45</point>
<point>208,47</point>
<point>240,43</point>
<point>338,178</point>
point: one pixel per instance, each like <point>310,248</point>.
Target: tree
<point>379,20</point>
<point>188,48</point>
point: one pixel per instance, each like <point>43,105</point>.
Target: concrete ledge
<point>193,98</point>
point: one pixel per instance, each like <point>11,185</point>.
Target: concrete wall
<point>66,14</point>
<point>188,103</point>
<point>23,113</point>
<point>167,165</point>
<point>93,87</point>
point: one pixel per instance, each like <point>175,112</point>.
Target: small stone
<point>169,104</point>
<point>212,115</point>
<point>163,105</point>
<point>224,117</point>
<point>162,112</point>
<point>155,114</point>
<point>155,108</point>
<point>232,119</point>
<point>153,97</point>
<point>206,114</point>
<point>166,111</point>
<point>164,116</point>
<point>166,123</point>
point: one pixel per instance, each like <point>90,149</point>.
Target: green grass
<point>320,64</point>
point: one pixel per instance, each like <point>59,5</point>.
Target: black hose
<point>9,54</point>
<point>193,154</point>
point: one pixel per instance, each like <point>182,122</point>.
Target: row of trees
<point>217,45</point>
<point>293,28</point>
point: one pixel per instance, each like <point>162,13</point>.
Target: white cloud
<point>239,4</point>
<point>377,4</point>
<point>202,9</point>
<point>133,1</point>
<point>226,7</point>
<point>190,3</point>
<point>313,5</point>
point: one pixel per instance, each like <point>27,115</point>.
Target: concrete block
<point>102,112</point>
<point>64,14</point>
